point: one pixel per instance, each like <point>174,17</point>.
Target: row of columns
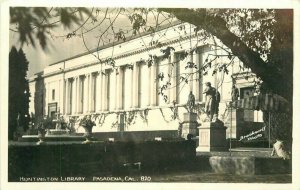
<point>77,90</point>
<point>91,92</point>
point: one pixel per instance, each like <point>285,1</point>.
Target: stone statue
<point>191,102</point>
<point>280,150</point>
<point>212,100</point>
<point>235,93</point>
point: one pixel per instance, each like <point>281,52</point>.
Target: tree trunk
<point>276,73</point>
<point>281,55</point>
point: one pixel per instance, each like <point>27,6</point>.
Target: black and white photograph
<point>145,94</point>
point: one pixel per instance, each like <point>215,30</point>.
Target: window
<point>245,93</point>
<point>53,94</point>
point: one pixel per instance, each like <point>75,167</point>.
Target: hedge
<point>105,158</point>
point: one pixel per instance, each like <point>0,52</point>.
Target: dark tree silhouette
<point>18,92</point>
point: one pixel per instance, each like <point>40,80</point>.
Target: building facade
<point>143,81</point>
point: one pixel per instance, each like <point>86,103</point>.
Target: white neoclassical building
<point>121,78</point>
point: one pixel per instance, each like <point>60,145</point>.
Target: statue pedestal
<point>189,125</point>
<point>212,137</point>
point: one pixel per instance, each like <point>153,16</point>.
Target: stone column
<point>47,98</point>
<point>215,63</point>
<point>59,104</point>
<point>117,90</point>
<point>68,103</point>
<point>70,96</point>
<point>74,96</point>
<point>95,91</point>
<point>138,85</point>
<point>135,86</point>
<point>168,90</point>
<point>63,97</point>
<point>196,81</point>
<point>148,84</point>
<point>78,95</point>
<point>191,78</point>
<point>85,94</point>
<point>89,93</point>
<point>173,78</point>
<point>106,84</point>
<point>73,82</point>
<point>121,86</point>
<point>66,95</point>
<point>93,82</point>
<point>107,91</point>
<point>155,83</point>
<point>98,91</point>
<point>103,92</point>
<point>212,137</point>
<point>151,84</point>
<point>114,86</point>
<point>92,107</point>
<point>81,93</point>
<point>201,63</point>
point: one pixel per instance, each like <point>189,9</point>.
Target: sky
<point>59,48</point>
<point>39,59</point>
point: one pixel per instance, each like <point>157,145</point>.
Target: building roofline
<point>39,73</point>
<point>160,28</point>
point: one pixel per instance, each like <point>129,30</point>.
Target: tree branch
<point>217,27</point>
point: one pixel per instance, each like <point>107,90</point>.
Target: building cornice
<point>243,75</point>
<point>135,52</point>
